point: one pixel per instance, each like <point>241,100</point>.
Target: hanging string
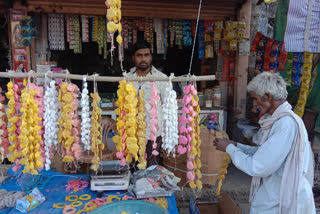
<point>95,86</point>
<point>195,36</point>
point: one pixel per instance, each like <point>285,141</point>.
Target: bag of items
<point>156,181</point>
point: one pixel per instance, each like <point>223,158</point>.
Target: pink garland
<point>18,105</point>
<point>188,128</point>
<point>5,142</point>
<point>154,125</point>
<point>185,129</point>
<point>76,150</point>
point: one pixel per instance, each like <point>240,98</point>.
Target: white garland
<point>50,120</point>
<point>85,116</point>
<point>170,134</point>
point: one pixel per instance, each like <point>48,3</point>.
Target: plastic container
<point>217,96</point>
<point>132,207</point>
<point>201,98</point>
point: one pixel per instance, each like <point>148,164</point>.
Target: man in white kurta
<point>275,161</point>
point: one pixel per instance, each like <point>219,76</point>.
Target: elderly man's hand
<point>221,144</point>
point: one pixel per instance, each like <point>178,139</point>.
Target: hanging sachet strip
<point>305,84</point>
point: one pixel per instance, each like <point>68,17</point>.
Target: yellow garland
<point>114,17</point>
<point>305,84</point>
<point>29,137</point>
<point>12,122</point>
<point>64,134</point>
<point>161,201</point>
<point>130,107</point>
<point>127,141</point>
<point>120,119</point>
<point>195,146</point>
<point>225,162</point>
<point>141,131</point>
<point>96,137</point>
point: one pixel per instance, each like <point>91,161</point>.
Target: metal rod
<point>108,78</point>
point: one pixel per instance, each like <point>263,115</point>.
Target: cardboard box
<point>225,206</point>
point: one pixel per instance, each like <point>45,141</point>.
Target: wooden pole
<point>106,78</point>
<point>242,67</point>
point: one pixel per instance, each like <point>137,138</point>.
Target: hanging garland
<point>305,84</point>
<point>30,139</point>
<point>130,107</point>
<point>38,97</point>
<point>225,162</point>
<point>96,130</point>
<point>154,124</point>
<point>126,141</point>
<point>170,132</point>
<point>114,18</point>
<point>14,124</point>
<point>85,116</point>
<point>51,116</point>
<point>189,139</point>
<point>4,142</point>
<point>119,140</point>
<point>69,122</point>
<point>141,131</point>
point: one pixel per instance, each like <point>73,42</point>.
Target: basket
<point>131,206</point>
<point>211,160</point>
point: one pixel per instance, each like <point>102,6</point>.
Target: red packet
<point>256,41</point>
<point>267,55</point>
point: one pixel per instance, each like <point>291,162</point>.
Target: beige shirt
<point>160,85</point>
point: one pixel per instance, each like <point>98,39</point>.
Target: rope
<point>177,169</point>
<point>195,36</point>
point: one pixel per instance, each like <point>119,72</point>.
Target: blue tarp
<point>55,192</point>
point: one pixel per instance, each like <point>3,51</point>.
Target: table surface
<point>55,192</point>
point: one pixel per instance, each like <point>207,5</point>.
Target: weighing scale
<point>110,176</point>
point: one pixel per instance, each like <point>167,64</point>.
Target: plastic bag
<point>30,201</point>
<point>156,181</point>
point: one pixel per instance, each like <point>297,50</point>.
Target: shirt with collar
<point>146,87</point>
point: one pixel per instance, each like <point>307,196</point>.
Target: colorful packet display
<point>233,45</point>
<point>267,53</point>
<point>217,35</point>
<point>130,31</point>
<point>187,32</point>
<point>219,64</point>
<point>226,66</point>
<point>201,35</point>
<point>305,84</point>
<point>282,58</point>
<point>241,30</point>
<point>296,69</point>
<point>209,46</point>
<point>218,25</point>
<point>256,41</point>
<point>209,26</point>
<point>274,56</point>
<point>260,54</point>
<point>289,69</point>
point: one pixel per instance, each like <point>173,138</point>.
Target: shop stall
<point>70,109</point>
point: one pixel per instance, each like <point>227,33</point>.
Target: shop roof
<point>172,9</point>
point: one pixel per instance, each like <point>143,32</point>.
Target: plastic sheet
<point>54,192</point>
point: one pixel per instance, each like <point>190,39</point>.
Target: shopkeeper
<point>142,57</point>
<point>282,163</point>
